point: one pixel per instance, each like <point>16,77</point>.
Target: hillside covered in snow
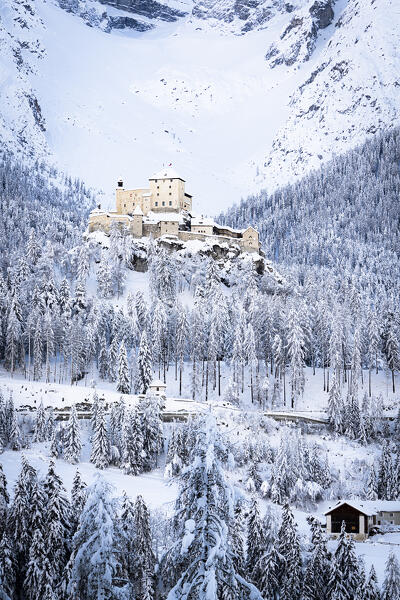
<point>117,88</point>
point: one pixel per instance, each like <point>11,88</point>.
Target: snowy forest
<point>318,334</point>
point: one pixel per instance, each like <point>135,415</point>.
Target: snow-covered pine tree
<point>237,538</point>
<point>386,482</point>
<point>391,583</point>
<point>19,519</point>
<point>103,358</point>
<point>78,499</point>
<point>7,568</point>
<point>39,572</point>
<point>255,539</point>
<point>113,359</point>
<point>39,434</point>
<point>123,379</point>
<point>37,351</point>
<point>266,573</point>
<point>295,352</point>
<point>291,579</point>
<point>372,484</point>
<point>57,523</point>
<point>144,368</point>
<point>317,574</point>
<point>152,430</point>
<point>15,436</point>
<point>72,444</point>
<point>182,329</point>
<point>95,555</point>
<point>335,405</point>
<point>4,500</point>
<point>100,454</point>
<point>13,340</point>
<point>199,565</point>
<point>127,533</point>
<point>344,580</point>
<point>144,561</point>
<point>132,445</point>
<point>371,590</point>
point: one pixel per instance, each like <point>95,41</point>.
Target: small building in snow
<point>361,517</point>
<point>158,387</point>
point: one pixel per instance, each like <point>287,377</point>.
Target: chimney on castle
<point>120,183</point>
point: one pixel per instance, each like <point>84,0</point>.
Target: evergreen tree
<point>15,437</point>
<point>144,555</point>
<point>132,443</point>
<point>57,523</point>
<point>289,549</point>
<point>73,444</point>
<point>127,532</point>
<point>371,591</point>
<point>39,573</point>
<point>78,499</point>
<point>391,584</point>
<point>345,573</point>
<point>4,500</point>
<point>199,565</point>
<point>100,455</point>
<point>39,434</point>
<point>123,382</point>
<point>94,559</point>
<point>7,569</point>
<point>144,374</point>
<point>103,358</point>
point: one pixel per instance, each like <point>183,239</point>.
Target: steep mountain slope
<point>239,95</point>
<point>338,226</point>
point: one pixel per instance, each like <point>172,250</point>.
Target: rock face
<point>147,8</point>
<point>298,40</point>
<point>120,22</point>
<point>322,13</point>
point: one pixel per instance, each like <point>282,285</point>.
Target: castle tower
<point>137,222</point>
<point>119,193</point>
<point>168,191</point>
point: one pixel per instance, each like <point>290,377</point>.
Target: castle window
<point>170,202</point>
<point>163,203</point>
<point>158,194</point>
<point>156,180</point>
<point>158,187</point>
<point>171,180</point>
<point>170,194</point>
<point>156,203</point>
<point>169,187</point>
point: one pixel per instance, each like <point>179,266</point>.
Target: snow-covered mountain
<point>238,94</point>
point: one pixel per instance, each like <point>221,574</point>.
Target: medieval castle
<point>165,209</point>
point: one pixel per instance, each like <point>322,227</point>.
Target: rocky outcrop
<point>147,8</point>
<point>298,40</point>
<point>122,22</point>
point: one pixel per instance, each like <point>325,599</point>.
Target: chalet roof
<point>166,173</point>
<point>368,507</point>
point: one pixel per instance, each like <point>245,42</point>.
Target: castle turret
<point>137,222</point>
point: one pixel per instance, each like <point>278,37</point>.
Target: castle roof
<point>166,173</point>
<point>202,221</point>
<point>138,211</point>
